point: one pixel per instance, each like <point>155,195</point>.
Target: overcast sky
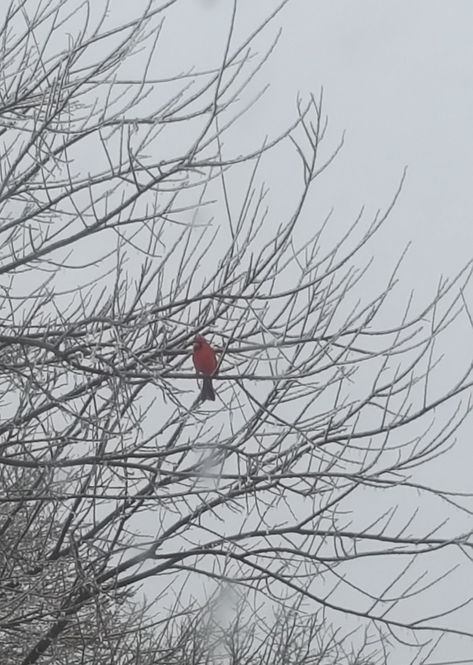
<point>398,77</point>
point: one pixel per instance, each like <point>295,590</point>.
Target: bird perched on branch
<point>205,362</point>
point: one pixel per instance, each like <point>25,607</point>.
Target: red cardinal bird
<point>205,362</point>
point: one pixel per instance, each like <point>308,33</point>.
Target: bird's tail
<point>207,390</point>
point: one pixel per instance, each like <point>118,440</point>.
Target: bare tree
<point>291,520</point>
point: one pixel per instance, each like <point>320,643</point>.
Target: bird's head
<point>199,341</point>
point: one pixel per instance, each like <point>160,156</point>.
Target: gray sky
<point>398,76</point>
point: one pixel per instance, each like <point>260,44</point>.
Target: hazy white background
<point>398,77</point>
